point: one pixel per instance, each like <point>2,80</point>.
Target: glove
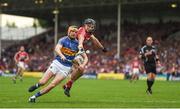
<point>81,50</point>
<point>104,50</point>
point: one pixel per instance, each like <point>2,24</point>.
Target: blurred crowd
<point>40,49</point>
<point>132,39</point>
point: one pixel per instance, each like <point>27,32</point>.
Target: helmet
<point>90,21</point>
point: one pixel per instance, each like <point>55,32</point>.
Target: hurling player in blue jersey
<point>66,50</point>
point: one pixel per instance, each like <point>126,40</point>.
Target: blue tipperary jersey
<point>69,50</point>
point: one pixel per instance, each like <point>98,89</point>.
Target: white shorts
<point>135,71</point>
<point>21,65</point>
<point>58,68</point>
<point>79,59</point>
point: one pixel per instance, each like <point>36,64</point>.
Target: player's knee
<point>81,72</point>
<point>152,75</point>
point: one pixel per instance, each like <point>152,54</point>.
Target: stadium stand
<point>133,36</point>
<point>134,29</point>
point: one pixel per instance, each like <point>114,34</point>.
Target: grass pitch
<point>92,94</point>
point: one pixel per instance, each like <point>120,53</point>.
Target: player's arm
<point>58,51</point>
<point>27,57</point>
<point>98,43</point>
<point>140,68</point>
<point>157,59</point>
<point>144,55</point>
<point>81,40</point>
<point>85,59</point>
<point>81,66</point>
<point>156,55</point>
<point>15,57</point>
<point>141,54</point>
<point>131,67</point>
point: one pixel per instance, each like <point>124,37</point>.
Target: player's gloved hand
<point>80,47</point>
<point>81,50</point>
<point>104,50</point>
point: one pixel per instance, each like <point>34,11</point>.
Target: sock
<point>37,94</point>
<point>37,85</point>
<point>69,83</point>
<point>150,82</point>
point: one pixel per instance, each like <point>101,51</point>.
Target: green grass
<point>92,93</point>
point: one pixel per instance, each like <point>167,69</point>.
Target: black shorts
<point>150,68</point>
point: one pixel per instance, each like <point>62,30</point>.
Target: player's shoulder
<point>63,38</point>
<point>143,47</point>
<point>19,52</point>
<point>81,29</point>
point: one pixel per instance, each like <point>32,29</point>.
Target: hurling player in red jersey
<point>20,58</point>
<point>85,33</point>
<point>135,65</point>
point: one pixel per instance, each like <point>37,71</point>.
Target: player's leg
<point>58,78</point>
<point>23,68</point>
<point>132,77</point>
<point>150,71</point>
<point>21,74</point>
<point>136,77</point>
<point>16,75</point>
<point>76,74</point>
<point>46,77</point>
<point>150,81</point>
